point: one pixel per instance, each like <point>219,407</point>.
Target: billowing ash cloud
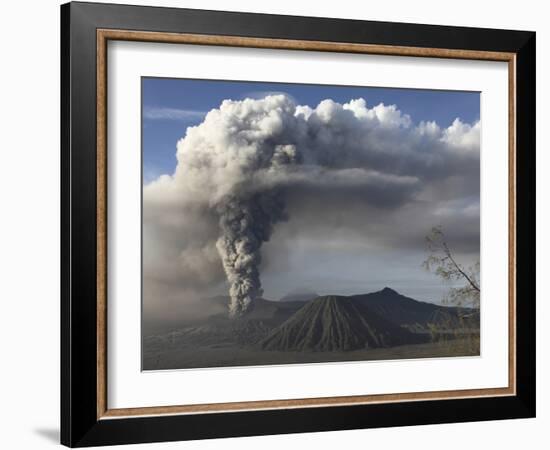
<point>246,223</point>
<point>240,168</point>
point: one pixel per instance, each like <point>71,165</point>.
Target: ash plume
<point>240,168</point>
<point>245,224</point>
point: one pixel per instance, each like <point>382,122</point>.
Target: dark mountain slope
<point>412,314</point>
<point>335,323</point>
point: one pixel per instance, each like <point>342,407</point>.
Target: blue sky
<point>171,105</point>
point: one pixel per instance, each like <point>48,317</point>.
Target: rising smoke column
<point>251,143</point>
<point>245,224</point>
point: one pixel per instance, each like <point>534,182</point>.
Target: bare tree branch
<point>444,264</point>
<point>459,269</point>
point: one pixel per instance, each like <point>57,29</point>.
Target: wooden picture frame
<point>86,418</point>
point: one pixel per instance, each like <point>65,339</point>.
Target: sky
<point>261,189</point>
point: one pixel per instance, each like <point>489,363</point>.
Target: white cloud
<point>261,94</point>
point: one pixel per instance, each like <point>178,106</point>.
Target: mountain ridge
<point>334,323</point>
<point>408,312</point>
<point>378,319</point>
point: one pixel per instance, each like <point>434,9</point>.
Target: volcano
<point>335,323</point>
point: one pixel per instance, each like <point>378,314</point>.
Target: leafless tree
<point>443,263</point>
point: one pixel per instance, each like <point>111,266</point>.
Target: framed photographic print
<point>276,224</point>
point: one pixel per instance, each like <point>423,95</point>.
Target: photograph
<point>288,223</point>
